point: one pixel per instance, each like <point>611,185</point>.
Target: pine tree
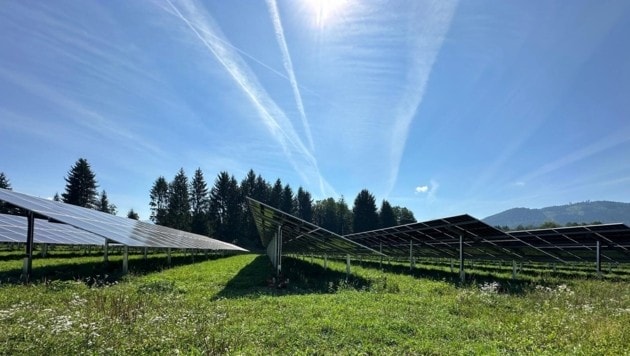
<point>56,197</point>
<point>287,201</point>
<point>178,211</point>
<point>304,205</point>
<point>249,189</point>
<point>5,184</point>
<point>159,201</point>
<point>386,215</point>
<point>81,185</point>
<point>225,208</point>
<point>199,204</point>
<point>133,215</point>
<point>275,196</point>
<point>325,215</point>
<point>103,204</point>
<point>365,215</point>
<point>344,218</point>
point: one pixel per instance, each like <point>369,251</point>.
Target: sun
<point>325,12</point>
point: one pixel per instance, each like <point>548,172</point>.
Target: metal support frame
<point>380,249</point>
<point>598,260</point>
<point>144,257</point>
<point>462,273</point>
<point>125,259</point>
<point>106,251</point>
<point>347,267</point>
<point>325,261</point>
<point>44,250</point>
<point>168,256</point>
<point>28,258</point>
<point>513,269</point>
<point>411,255</point>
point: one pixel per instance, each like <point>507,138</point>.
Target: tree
<point>325,215</point>
<point>344,217</point>
<point>81,185</point>
<point>103,204</point>
<point>250,188</point>
<point>4,182</point>
<point>178,211</point>
<point>287,201</point>
<point>304,205</point>
<point>365,215</point>
<point>133,215</point>
<point>56,197</point>
<point>275,196</point>
<point>199,204</point>
<point>159,201</point>
<point>386,215</point>
<point>5,208</point>
<point>225,208</point>
<point>403,215</point>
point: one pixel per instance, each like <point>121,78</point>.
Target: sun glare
<point>326,11</point>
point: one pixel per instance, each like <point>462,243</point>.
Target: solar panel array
<point>117,229</point>
<point>440,238</point>
<point>14,228</point>
<point>299,236</point>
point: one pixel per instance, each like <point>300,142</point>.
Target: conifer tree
<point>225,208</point>
<point>386,215</point>
<point>287,201</point>
<point>81,185</point>
<point>103,204</point>
<point>304,205</point>
<point>199,204</point>
<point>365,215</point>
<point>178,211</point>
<point>159,201</point>
<point>133,215</point>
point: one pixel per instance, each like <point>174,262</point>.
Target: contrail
<point>288,66</point>
<point>428,40</point>
<point>273,117</point>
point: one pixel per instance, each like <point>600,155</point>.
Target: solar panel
<point>14,228</point>
<point>299,236</point>
<point>579,243</point>
<point>122,230</point>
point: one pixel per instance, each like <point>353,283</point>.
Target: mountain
<point>585,212</point>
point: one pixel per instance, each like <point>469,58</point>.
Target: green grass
<point>225,305</point>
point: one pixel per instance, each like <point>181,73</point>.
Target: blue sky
<point>445,107</point>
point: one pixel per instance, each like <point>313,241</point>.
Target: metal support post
<point>168,256</point>
<point>28,258</point>
<point>347,267</point>
<point>44,250</point>
<point>410,255</point>
<point>125,259</point>
<point>599,260</point>
<point>145,253</point>
<point>106,251</point>
<point>513,269</point>
<point>462,274</point>
<point>380,249</point>
<point>452,267</point>
<point>325,261</point>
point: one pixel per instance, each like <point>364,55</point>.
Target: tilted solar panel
<point>299,236</point>
<point>119,229</point>
<point>14,228</point>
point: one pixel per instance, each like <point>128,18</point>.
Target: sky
<point>442,106</point>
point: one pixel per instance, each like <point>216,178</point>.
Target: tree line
<point>221,211</point>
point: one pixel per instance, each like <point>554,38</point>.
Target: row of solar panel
<point>441,238</point>
<point>69,224</point>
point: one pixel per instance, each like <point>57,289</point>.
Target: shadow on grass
<point>507,285</point>
<point>480,274</point>
<point>256,279</point>
<point>99,273</point>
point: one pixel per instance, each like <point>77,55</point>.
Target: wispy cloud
<point>288,66</point>
<point>427,34</point>
<point>204,28</point>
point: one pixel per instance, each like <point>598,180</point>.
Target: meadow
<point>76,304</point>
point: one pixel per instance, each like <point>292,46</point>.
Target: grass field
<point>223,305</point>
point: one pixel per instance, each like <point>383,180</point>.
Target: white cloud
<point>422,189</point>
